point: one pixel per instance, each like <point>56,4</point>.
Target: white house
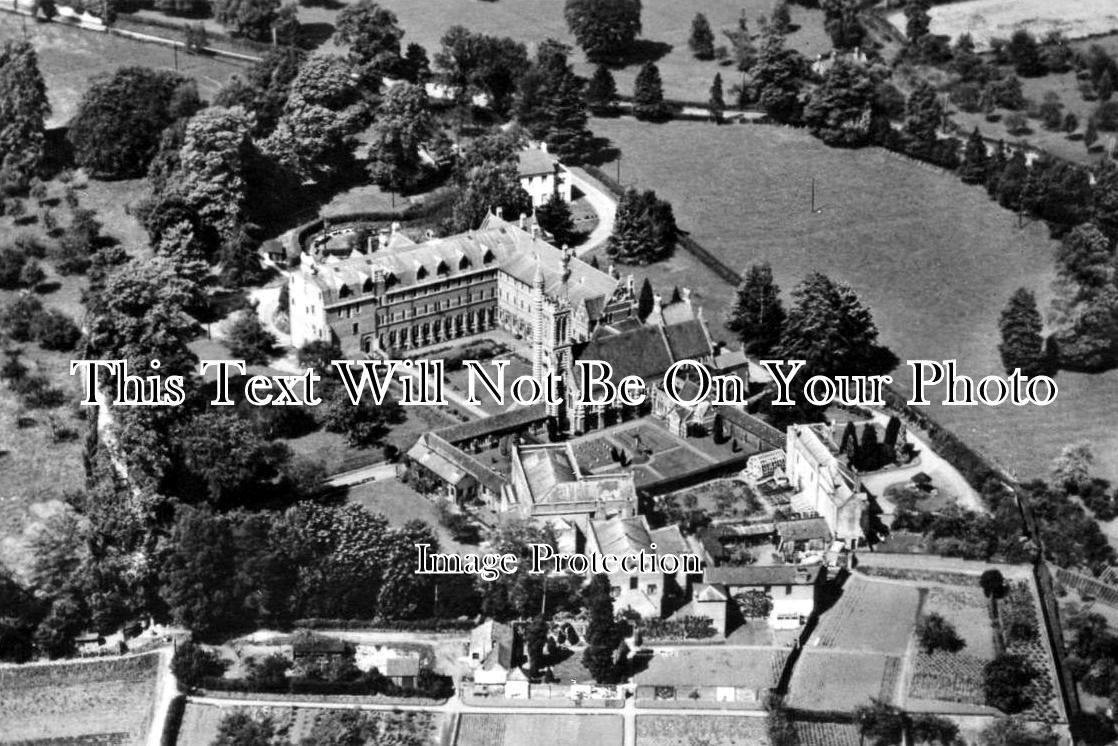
<point>541,175</point>
<point>824,484</point>
<point>791,588</point>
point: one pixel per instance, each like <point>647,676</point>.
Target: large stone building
<point>546,483</point>
<point>823,482</point>
<point>407,294</point>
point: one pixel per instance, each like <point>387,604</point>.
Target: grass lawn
<point>74,700</point>
<point>665,23</point>
<point>399,503</point>
<point>933,257</point>
<point>492,729</point>
<point>839,681</point>
<point>854,622</point>
<point>69,57</point>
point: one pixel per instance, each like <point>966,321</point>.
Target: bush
<point>36,393</point>
<point>1004,683</point>
<point>17,316</point>
<point>191,664</point>
<point>936,633</point>
<point>55,330</point>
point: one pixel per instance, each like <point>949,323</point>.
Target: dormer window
<point>368,286</point>
<point>442,269</point>
<point>488,257</point>
<point>343,291</point>
<point>389,280</point>
<point>464,263</point>
<point>421,273</point>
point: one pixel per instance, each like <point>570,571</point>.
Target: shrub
<point>36,393</point>
<point>936,633</point>
<point>192,663</point>
<point>29,245</point>
<point>55,330</point>
<point>17,316</point>
<point>1004,682</point>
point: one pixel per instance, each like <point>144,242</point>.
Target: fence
<point>1089,586</point>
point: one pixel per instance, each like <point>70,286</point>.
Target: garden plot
<point>492,729</point>
<point>682,730</point>
<point>966,608</point>
<point>998,19</point>
<point>839,681</point>
<point>813,733</point>
<point>870,616</point>
<point>948,677</point>
<point>111,699</point>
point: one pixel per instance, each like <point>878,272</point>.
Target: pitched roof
<point>760,575</point>
<point>402,666</point>
<point>746,668</point>
<point>640,351</point>
<point>547,466</point>
<point>533,161</point>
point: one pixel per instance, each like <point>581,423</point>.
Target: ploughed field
<point>934,258</point>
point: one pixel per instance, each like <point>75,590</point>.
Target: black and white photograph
<point>558,373</point>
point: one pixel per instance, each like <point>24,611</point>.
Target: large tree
<point>486,188</point>
<point>777,76</point>
<point>701,40</point>
<point>372,35</point>
<point>479,63</point>
<point>601,92</point>
<point>644,230</point>
<point>551,104</point>
<point>402,126</point>
<point>1021,327</point>
<point>648,95</point>
<point>831,329</point>
<point>605,29</point>
<point>201,550</point>
<point>121,119</point>
<point>264,91</point>
<point>555,217</point>
<point>23,109</point>
<point>841,110</point>
<point>602,633</point>
<point>324,110</point>
<point>758,314</point>
<point>842,23</point>
<point>251,19</point>
<point>976,159</point>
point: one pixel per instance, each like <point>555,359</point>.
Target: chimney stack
<point>500,212</point>
<point>523,221</point>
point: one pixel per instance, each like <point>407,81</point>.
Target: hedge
<point>388,625</point>
<point>171,725</point>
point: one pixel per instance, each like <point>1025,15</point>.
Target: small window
<point>651,590</point>
<point>787,590</point>
<point>464,263</point>
<point>343,292</point>
<point>421,273</point>
<point>355,328</point>
<point>632,584</point>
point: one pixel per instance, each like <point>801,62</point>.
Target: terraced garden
<point>108,700</point>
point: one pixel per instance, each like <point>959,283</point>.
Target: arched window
<point>421,273</point>
<point>464,263</point>
<point>343,291</point>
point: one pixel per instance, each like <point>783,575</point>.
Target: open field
<point>539,730</point>
<point>69,57</point>
<point>934,258</point>
<point>200,722</point>
<point>58,701</point>
<point>998,19</point>
<point>856,621</point>
<point>839,681</point>
<point>709,730</point>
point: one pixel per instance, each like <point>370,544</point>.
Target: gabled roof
<point>533,162</point>
<point>403,666</point>
<point>711,593</point>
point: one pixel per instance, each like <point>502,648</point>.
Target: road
<point>603,203</point>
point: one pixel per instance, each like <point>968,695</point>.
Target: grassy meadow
<point>934,258</point>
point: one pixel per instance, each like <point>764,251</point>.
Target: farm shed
<point>734,676</point>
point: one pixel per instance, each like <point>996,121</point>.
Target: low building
<point>494,651</point>
<point>546,483</point>
<point>738,677</point>
<point>403,671</point>
<point>709,601</point>
<point>791,588</point>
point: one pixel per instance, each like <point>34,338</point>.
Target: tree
<point>780,728</point>
<point>373,36</point>
<point>536,642</point>
<point>831,329</point>
<point>936,633</point>
<point>402,126</point>
<point>993,583</point>
<point>934,729</point>
<point>554,216</point>
<point>201,549</point>
<point>841,110</point>
<point>648,95</point>
<point>488,187</point>
<point>716,105</point>
<point>121,118</point>
<point>487,64</point>
<point>644,230</point>
<point>220,457</point>
<point>1085,257</point>
<point>744,53</point>
<point>242,729</point>
<point>841,21</point>
<point>602,632</point>
<point>251,19</point>
<point>1005,682</point>
<point>23,110</point>
<point>210,179</point>
<point>880,723</point>
<point>782,17</point>
<point>757,315</point>
<point>976,159</point>
<point>601,93</point>
<point>1071,470</point>
<point>192,663</point>
<point>54,330</point>
<point>323,111</point>
<point>1024,54</point>
<point>645,300</point>
<point>777,77</point>
<point>605,29</point>
<point>249,340</point>
<point>363,424</point>
<point>1021,327</point>
<point>265,90</point>
<point>701,40</point>
<point>1091,134</point>
<point>1106,86</point>
<point>286,26</point>
<point>923,114</point>
<point>551,104</point>
<point>1011,182</point>
<point>917,20</point>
